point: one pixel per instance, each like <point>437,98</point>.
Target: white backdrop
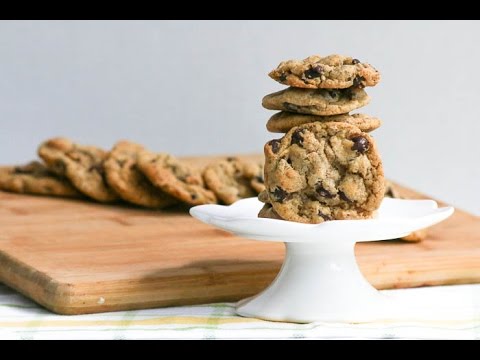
<point>196,87</point>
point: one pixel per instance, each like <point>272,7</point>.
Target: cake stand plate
<point>320,279</point>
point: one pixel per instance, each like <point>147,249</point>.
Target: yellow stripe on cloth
<point>167,320</point>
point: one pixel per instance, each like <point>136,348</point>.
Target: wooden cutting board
<point>77,257</point>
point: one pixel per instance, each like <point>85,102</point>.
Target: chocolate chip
<point>279,194</point>
<point>343,196</point>
<point>59,167</point>
<point>314,72</point>
<point>22,170</point>
<point>358,82</point>
<point>291,107</point>
<point>333,94</point>
<point>193,196</point>
<point>323,192</point>
<point>259,179</point>
<point>355,61</point>
<point>231,158</point>
<point>360,144</point>
<point>349,94</point>
<point>275,145</point>
<point>283,77</point>
<point>98,168</point>
<point>297,137</point>
<point>324,217</point>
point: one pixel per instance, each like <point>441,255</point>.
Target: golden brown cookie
<point>258,183</point>
<point>129,182</point>
<point>82,165</point>
<point>234,179</point>
<point>283,121</point>
<point>175,178</point>
<point>263,196</point>
<point>329,72</point>
<point>323,102</point>
<point>268,212</point>
<point>34,178</point>
<point>324,171</point>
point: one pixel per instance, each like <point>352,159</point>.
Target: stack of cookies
<point>132,174</point>
<point>326,166</point>
<point>321,90</point>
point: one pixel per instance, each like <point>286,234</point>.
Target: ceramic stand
<point>317,282</point>
<point>320,279</point>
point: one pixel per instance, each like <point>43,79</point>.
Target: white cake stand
<point>320,279</point>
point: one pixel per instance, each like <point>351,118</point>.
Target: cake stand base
<point>318,282</point>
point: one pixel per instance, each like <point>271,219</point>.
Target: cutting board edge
<point>65,298</point>
<point>35,285</point>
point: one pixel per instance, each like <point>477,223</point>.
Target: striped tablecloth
<point>457,308</point>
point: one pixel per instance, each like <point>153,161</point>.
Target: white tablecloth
<point>456,311</point>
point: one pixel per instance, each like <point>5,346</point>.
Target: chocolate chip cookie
<point>317,101</point>
<point>128,181</point>
<point>330,72</point>
<point>258,183</point>
<point>324,171</point>
<point>175,178</point>
<point>268,212</point>
<point>82,165</point>
<point>34,178</point>
<point>283,121</point>
<point>234,179</point>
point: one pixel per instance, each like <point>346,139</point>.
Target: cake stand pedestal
<point>320,279</point>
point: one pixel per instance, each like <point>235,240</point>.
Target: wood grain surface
<point>76,257</point>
